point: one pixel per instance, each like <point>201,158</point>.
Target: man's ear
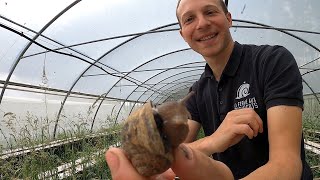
<point>229,17</point>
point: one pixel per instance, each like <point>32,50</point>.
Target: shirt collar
<point>232,65</point>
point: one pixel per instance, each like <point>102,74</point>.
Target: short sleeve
<point>191,104</point>
<point>282,79</point>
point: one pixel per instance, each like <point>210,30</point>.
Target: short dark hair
<point>222,4</point>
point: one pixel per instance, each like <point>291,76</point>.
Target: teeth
<point>207,37</point>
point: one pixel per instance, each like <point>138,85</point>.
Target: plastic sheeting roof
<point>131,49</point>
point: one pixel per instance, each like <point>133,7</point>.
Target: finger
<point>249,122</point>
<point>260,124</point>
<point>120,166</point>
<point>192,164</point>
<point>257,118</point>
<point>250,117</point>
<point>244,129</point>
<point>167,175</point>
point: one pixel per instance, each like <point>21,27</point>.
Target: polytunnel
<point>70,71</point>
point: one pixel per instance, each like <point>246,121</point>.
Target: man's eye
<point>188,20</point>
<point>210,12</point>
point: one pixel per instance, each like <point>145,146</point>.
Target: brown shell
<point>143,144</point>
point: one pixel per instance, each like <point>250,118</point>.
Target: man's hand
<point>188,164</point>
<point>236,125</point>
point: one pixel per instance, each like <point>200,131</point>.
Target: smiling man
<point>248,100</point>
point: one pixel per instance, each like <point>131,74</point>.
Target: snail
<point>151,133</point>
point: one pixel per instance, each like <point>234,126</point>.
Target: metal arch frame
<point>96,61</point>
<point>277,29</point>
<point>285,32</point>
<point>55,51</point>
<point>317,49</point>
<point>302,80</point>
<point>157,69</point>
<point>16,62</point>
<point>174,92</point>
<point>311,90</point>
<point>171,89</point>
<point>173,86</point>
<point>62,52</point>
<point>114,85</point>
<point>281,30</point>
<point>273,28</point>
<point>63,46</point>
<point>314,93</point>
<point>159,82</point>
<point>310,71</point>
<point>164,86</point>
<point>71,55</point>
<point>246,27</point>
<point>161,88</point>
<point>292,35</point>
<point>138,87</point>
<point>309,62</point>
<point>149,32</point>
<point>171,81</point>
<point>107,39</point>
<point>5,85</point>
<point>141,65</point>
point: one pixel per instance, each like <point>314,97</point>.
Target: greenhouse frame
<point>71,71</point>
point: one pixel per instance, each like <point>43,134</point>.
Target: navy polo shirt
<point>257,77</point>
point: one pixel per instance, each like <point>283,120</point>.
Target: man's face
<point>204,26</point>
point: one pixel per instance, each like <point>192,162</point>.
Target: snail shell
<point>150,134</point>
<point>143,144</point>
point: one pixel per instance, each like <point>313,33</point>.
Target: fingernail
<point>186,151</point>
<point>113,161</point>
<point>159,178</point>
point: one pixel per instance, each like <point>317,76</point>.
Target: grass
<point>36,162</point>
<point>311,125</point>
<point>37,132</point>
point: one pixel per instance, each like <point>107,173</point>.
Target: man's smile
<point>207,37</point>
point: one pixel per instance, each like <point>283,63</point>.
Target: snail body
<point>151,133</point>
<point>175,122</point>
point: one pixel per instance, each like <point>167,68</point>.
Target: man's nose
<point>203,22</point>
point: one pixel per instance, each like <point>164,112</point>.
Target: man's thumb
<point>193,164</point>
<point>113,160</point>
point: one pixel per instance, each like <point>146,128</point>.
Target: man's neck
<point>219,62</point>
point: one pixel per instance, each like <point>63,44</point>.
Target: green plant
<point>83,144</point>
<point>311,130</point>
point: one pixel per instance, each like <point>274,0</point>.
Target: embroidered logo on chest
<point>242,100</point>
<point>243,91</point>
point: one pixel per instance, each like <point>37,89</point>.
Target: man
<point>248,101</point>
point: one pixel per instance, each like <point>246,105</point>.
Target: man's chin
<point>209,52</point>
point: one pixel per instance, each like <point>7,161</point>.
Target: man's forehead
<point>182,3</point>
